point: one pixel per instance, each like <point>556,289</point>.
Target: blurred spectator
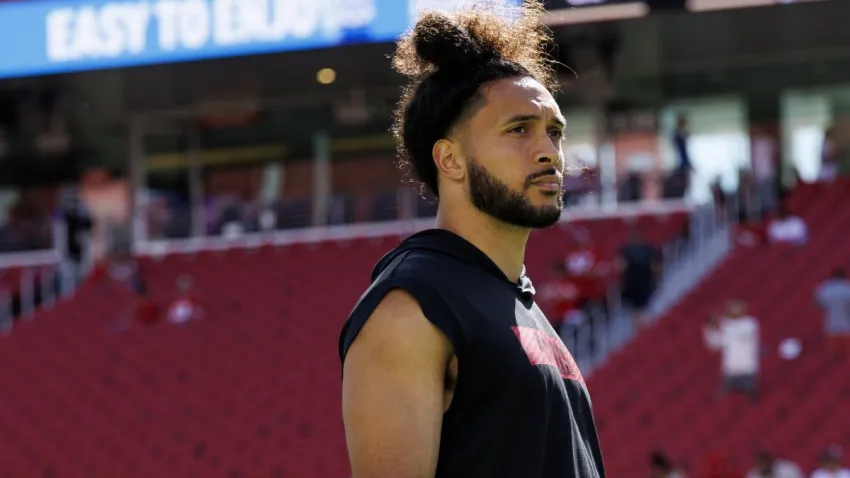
<point>831,156</point>
<point>680,143</point>
<point>719,197</point>
<point>585,264</point>
<point>747,197</point>
<point>831,464</point>
<point>78,225</point>
<point>562,296</point>
<point>764,155</point>
<point>587,269</point>
<point>147,310</point>
<point>126,269</point>
<point>185,306</point>
<point>640,266</point>
<point>144,310</point>
<point>682,174</point>
<point>766,466</point>
<point>787,228</point>
<point>662,466</point>
<point>736,337</point>
<point>833,297</point>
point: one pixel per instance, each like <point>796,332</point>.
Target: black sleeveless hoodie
<point>521,408</point>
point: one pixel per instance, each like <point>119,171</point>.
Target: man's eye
<point>556,133</point>
<point>518,129</point>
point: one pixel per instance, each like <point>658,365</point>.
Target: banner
<point>42,37</point>
<point>558,4</point>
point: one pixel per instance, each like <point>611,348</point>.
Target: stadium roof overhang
<point>653,50</point>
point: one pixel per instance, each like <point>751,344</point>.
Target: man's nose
<point>549,151</point>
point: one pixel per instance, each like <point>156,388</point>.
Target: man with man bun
<point>449,368</point>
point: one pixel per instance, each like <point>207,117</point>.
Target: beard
<point>493,197</point>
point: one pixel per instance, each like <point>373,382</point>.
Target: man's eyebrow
<point>525,118</point>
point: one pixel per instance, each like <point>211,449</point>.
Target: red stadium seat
<point>673,378</point>
<point>252,389</point>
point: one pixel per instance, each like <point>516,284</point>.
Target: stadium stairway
<point>657,393</point>
<point>250,390</point>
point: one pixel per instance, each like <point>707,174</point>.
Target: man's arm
<point>392,392</point>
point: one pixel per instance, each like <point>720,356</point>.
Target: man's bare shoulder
<point>398,326</point>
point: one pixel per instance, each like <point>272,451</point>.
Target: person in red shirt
<point>185,306</point>
<point>145,310</point>
<point>587,269</point>
<point>562,297</point>
<point>584,263</point>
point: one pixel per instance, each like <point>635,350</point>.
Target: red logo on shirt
<point>545,350</point>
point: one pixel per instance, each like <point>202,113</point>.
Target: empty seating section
<point>657,392</point>
<point>251,390</point>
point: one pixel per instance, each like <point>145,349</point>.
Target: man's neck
<point>503,244</point>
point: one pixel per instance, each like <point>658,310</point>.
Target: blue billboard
<point>49,36</point>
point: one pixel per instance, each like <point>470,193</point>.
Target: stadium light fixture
<point>326,76</point>
<point>601,13</point>
<point>713,5</point>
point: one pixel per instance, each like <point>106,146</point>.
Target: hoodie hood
<point>447,243</point>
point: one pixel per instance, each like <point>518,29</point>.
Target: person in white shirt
<point>833,297</point>
<point>831,465</point>
<point>736,337</point>
<point>787,229</point>
<point>766,466</point>
<point>830,157</point>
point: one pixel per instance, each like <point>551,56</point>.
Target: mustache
<point>542,173</point>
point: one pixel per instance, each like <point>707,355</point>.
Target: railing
<point>35,279</point>
<point>608,328</point>
<point>33,288</point>
<point>248,239</point>
<point>168,216</point>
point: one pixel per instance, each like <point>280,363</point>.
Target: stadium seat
<point>250,390</point>
<point>657,393</point>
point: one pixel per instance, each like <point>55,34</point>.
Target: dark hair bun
<point>444,43</point>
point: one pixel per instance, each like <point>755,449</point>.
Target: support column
<point>196,182</point>
<point>138,179</point>
<point>322,186</point>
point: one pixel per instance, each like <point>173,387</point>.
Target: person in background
<point>640,267</point>
<point>764,159</point>
<point>831,464</point>
<point>561,294</point>
<point>719,196</point>
<point>833,297</point>
<point>78,226</point>
<point>736,337</point>
<point>145,310</point>
<point>662,466</point>
<point>185,306</point>
<point>682,174</point>
<point>767,466</point>
<point>586,266</point>
<point>787,228</point>
<point>831,155</point>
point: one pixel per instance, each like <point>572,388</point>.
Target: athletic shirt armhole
<point>434,307</point>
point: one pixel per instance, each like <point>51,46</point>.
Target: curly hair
<point>447,58</point>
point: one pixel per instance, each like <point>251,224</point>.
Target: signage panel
<point>50,36</point>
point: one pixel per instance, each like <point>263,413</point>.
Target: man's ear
<point>449,160</point>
